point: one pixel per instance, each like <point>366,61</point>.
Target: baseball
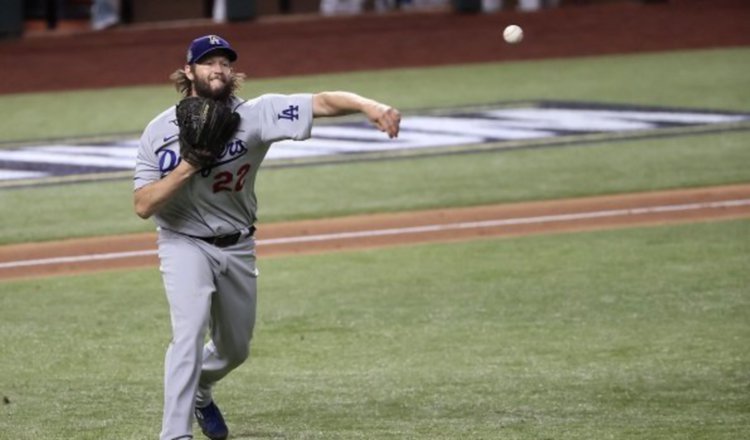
<point>513,34</point>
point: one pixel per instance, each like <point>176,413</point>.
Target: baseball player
<point>204,206</point>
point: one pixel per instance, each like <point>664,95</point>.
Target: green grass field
<point>610,335</point>
<point>632,334</point>
<point>709,79</point>
<point>665,79</point>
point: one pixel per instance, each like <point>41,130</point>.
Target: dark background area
<point>302,44</point>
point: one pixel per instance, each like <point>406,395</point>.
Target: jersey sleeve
<point>146,163</point>
<point>285,117</point>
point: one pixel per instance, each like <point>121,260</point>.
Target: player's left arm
<point>386,118</point>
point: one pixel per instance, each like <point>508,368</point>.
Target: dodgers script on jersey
<point>221,200</point>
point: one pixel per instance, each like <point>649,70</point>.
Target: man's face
<point>211,77</point>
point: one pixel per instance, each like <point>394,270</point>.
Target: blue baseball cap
<point>202,46</point>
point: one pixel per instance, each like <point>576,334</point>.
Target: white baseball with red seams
<point>513,34</point>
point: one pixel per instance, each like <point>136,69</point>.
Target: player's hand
<point>386,118</point>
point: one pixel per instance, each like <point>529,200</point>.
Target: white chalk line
<point>410,230</point>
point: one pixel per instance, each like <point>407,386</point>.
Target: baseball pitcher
<point>195,175</point>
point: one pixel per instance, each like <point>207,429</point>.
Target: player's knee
<point>238,357</point>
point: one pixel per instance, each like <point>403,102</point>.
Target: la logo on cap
<point>206,44</point>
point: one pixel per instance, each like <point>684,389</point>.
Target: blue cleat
<point>211,422</point>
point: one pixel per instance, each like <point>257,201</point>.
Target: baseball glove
<point>206,125</point>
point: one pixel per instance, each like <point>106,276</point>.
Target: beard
<point>203,88</point>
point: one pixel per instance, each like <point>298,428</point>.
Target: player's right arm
<point>386,118</point>
<point>149,198</point>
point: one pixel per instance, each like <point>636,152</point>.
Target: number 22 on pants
<point>227,181</point>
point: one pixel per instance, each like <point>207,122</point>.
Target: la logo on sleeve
<point>290,113</point>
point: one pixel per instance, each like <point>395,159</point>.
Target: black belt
<point>225,240</point>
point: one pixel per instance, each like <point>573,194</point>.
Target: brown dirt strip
<point>407,228</point>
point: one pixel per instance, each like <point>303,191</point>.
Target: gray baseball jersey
<point>207,285</point>
<point>221,200</point>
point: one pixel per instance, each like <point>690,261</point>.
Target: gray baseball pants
<point>208,289</point>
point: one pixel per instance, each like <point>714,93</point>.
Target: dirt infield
<point>303,45</point>
<point>360,232</point>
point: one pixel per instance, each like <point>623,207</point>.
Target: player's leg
<point>188,280</point>
<point>232,318</point>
